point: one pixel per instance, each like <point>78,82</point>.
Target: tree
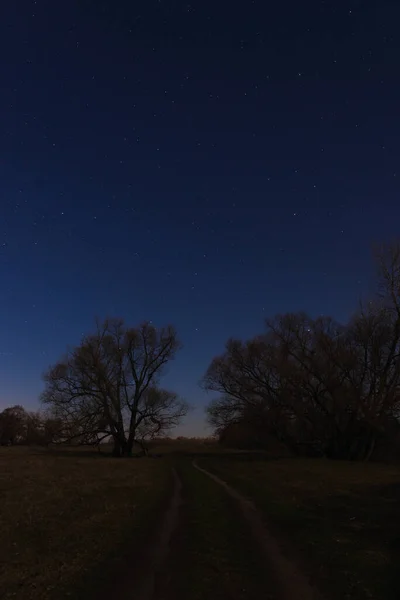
<point>18,426</point>
<point>41,429</point>
<point>314,383</point>
<point>107,387</point>
<point>34,433</point>
<point>12,425</point>
<point>248,378</point>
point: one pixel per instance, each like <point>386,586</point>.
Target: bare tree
<point>316,382</point>
<point>108,386</point>
<point>374,336</point>
<point>252,388</point>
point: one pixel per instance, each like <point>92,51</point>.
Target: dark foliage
<point>317,386</point>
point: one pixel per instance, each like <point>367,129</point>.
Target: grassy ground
<point>65,515</point>
<point>342,520</point>
<point>67,518</point>
<point>213,555</point>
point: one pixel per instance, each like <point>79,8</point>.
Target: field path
<point>161,549</point>
<point>212,543</point>
<point>291,581</point>
<point>142,572</point>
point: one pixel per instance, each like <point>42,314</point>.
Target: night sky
<point>207,164</point>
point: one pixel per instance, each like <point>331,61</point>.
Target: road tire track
<point>160,548</point>
<point>291,581</point>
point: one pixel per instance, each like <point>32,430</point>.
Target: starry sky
<point>203,163</point>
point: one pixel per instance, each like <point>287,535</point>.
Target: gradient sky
<point>202,163</point>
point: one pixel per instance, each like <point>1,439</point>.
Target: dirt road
<point>290,582</point>
<point>212,543</point>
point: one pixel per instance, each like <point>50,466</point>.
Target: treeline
<point>314,385</point>
<point>309,385</point>
<point>19,427</point>
<point>106,389</point>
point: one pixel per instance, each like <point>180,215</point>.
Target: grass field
<point>65,516</point>
<point>70,520</point>
<point>340,521</point>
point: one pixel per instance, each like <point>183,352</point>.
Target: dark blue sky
<point>202,163</point>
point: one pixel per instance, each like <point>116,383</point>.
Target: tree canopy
<point>108,386</point>
<point>316,384</point>
<point>19,426</point>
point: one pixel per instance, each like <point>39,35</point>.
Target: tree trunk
<point>117,448</point>
<point>122,448</point>
<point>127,449</point>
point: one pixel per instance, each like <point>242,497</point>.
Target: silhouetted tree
<point>108,386</point>
<point>12,425</point>
<point>316,385</point>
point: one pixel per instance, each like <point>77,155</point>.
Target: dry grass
<point>63,514</point>
<point>341,521</point>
